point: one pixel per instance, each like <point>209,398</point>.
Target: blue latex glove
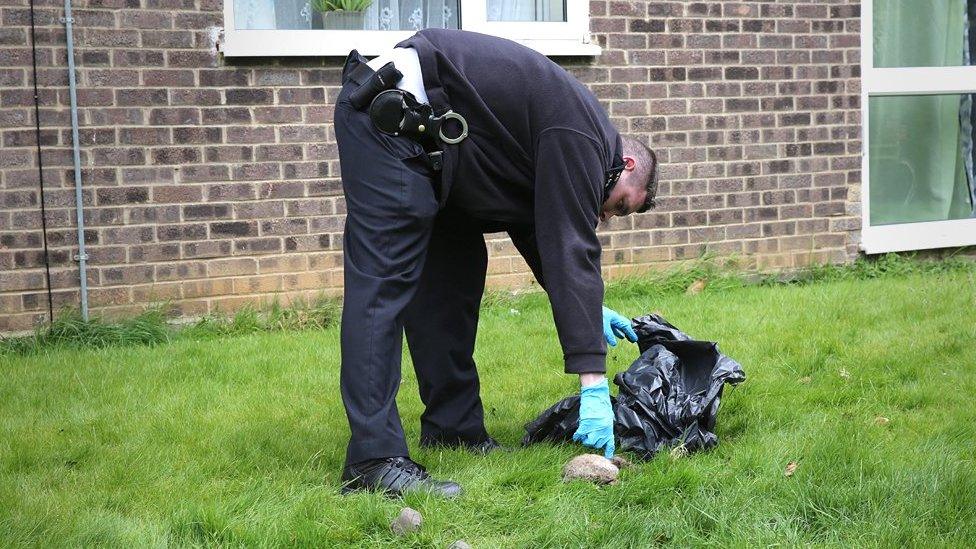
<point>596,418</point>
<point>616,325</point>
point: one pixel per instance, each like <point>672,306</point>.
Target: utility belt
<point>397,112</point>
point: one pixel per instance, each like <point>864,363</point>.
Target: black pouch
<point>383,79</point>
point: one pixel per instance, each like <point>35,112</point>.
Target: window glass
<point>377,15</point>
<point>527,10</point>
<point>921,158</point>
<point>271,14</point>
<point>923,33</point>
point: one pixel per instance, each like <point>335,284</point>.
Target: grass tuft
<point>69,330</point>
<point>706,274</point>
<point>883,266</point>
<point>151,327</point>
<point>319,314</point>
<point>710,274</point>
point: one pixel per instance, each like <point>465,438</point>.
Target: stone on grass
<point>408,521</point>
<point>459,544</point>
<point>591,467</point>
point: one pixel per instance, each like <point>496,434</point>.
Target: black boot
<point>395,476</point>
<point>481,447</point>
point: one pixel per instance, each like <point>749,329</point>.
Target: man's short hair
<point>646,169</point>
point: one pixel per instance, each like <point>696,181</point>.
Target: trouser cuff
<point>454,437</point>
<point>362,451</point>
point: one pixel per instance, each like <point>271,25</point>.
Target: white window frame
<point>571,37</point>
<point>877,82</point>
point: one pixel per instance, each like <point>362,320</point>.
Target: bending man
<point>540,160</point>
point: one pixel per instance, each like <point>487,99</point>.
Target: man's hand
<point>596,418</point>
<point>616,325</point>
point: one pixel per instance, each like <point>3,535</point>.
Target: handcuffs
<point>397,112</point>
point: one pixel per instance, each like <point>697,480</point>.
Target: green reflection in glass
<point>919,146</point>
<point>919,33</point>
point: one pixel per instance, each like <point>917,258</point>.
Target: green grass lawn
<point>239,440</point>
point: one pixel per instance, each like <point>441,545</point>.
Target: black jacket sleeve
<point>523,236</point>
<point>569,173</point>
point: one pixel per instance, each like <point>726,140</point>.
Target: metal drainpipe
<point>82,257</point>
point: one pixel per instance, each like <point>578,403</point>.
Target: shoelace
<point>409,465</point>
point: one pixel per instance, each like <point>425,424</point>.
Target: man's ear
<point>629,163</point>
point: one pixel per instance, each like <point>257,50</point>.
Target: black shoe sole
<point>349,488</point>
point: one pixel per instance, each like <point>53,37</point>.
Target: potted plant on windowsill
<point>341,14</point>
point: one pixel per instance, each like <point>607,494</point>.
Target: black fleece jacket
<point>539,150</point>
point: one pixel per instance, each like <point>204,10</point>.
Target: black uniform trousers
<point>408,267</point>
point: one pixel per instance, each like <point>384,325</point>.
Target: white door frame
<point>905,81</point>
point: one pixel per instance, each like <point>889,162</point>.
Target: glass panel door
<point>923,33</point>
<point>921,151</point>
<point>918,88</point>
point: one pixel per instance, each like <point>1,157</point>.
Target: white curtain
<point>526,10</point>
<point>412,14</point>
<point>392,14</point>
<point>919,145</point>
<point>272,14</point>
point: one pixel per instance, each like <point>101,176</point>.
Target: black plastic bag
<point>668,396</point>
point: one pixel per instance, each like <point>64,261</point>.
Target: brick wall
<point>212,182</point>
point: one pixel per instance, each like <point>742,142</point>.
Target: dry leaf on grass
<point>790,469</point>
<point>844,374</point>
<point>881,420</point>
<point>805,380</point>
<point>696,287</point>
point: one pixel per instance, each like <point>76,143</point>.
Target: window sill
<point>918,236</point>
<point>278,43</point>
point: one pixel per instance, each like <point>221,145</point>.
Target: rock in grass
<point>591,467</point>
<point>459,544</point>
<point>408,521</point>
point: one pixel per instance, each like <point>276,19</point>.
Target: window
<point>308,27</point>
<point>918,92</point>
<point>538,10</point>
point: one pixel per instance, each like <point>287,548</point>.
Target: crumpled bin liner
<point>668,396</point>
